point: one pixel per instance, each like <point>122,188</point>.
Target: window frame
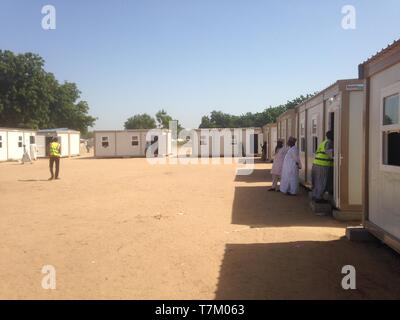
<point>20,141</point>
<point>313,135</point>
<point>283,132</point>
<point>136,140</point>
<point>387,92</point>
<point>103,140</point>
<point>1,141</point>
<point>303,140</point>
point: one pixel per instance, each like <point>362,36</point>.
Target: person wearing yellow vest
<point>55,154</point>
<point>322,170</point>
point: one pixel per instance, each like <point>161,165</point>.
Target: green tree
<point>30,97</point>
<point>67,112</point>
<point>163,119</point>
<point>140,121</point>
<point>218,119</point>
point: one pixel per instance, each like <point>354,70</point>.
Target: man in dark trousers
<point>322,170</point>
<point>55,154</point>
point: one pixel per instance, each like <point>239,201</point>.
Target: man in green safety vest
<point>322,170</point>
<point>55,154</point>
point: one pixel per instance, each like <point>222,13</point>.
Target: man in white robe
<point>290,170</point>
<point>26,157</point>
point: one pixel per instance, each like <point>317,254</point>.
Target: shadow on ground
<point>34,180</point>
<point>258,175</point>
<point>255,206</point>
<point>308,270</point>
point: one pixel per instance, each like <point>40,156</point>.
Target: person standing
<point>280,153</point>
<point>55,154</point>
<point>290,169</point>
<point>264,151</point>
<point>33,151</point>
<point>322,170</point>
<point>26,157</point>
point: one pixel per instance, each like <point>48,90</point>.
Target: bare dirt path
<point>121,228</point>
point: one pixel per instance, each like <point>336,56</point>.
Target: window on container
<point>303,144</point>
<point>104,142</point>
<point>203,140</point>
<point>315,144</point>
<point>314,126</point>
<point>32,139</point>
<point>20,142</point>
<point>391,131</point>
<point>391,148</point>
<point>391,110</point>
<point>302,129</point>
<point>283,131</point>
<point>135,140</point>
<point>1,142</point>
<point>314,133</point>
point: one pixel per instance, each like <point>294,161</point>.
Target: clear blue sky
<point>193,56</point>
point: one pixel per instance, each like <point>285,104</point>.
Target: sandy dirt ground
<point>125,229</point>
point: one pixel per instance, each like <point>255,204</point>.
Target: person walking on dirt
<point>55,154</point>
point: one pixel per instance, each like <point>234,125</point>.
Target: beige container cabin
<point>270,133</point>
<point>227,142</point>
<point>287,125</point>
<point>130,143</point>
<point>381,74</point>
<point>339,108</point>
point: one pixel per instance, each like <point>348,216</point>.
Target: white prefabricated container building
<point>286,125</point>
<point>69,140</point>
<point>131,143</point>
<point>270,132</point>
<point>227,142</point>
<point>381,74</point>
<point>12,143</point>
<point>338,108</point>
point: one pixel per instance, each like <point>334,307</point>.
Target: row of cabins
<point>334,108</point>
<point>12,142</point>
<point>364,114</point>
<point>216,142</point>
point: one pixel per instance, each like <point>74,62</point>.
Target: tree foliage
<point>30,97</point>
<point>218,119</point>
<point>140,121</point>
<point>163,119</point>
<point>145,121</point>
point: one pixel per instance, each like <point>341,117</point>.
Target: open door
<point>253,144</point>
<point>334,121</point>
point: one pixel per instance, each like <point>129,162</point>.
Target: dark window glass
<point>315,144</point>
<point>391,149</point>
<point>303,144</point>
